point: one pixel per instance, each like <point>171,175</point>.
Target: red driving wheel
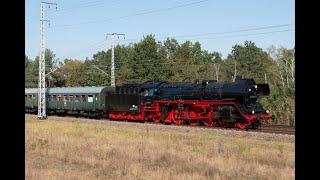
<point>209,123</point>
<point>194,122</point>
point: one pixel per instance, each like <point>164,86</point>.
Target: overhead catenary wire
<point>93,46</point>
<point>234,31</point>
<point>217,33</point>
<point>132,15</point>
<point>92,4</point>
<point>230,36</point>
<point>64,11</point>
<point>194,35</point>
<point>243,35</point>
<point>170,62</point>
<point>225,32</point>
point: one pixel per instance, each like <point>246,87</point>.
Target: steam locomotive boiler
<point>209,103</point>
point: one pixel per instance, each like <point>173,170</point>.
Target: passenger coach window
<point>83,99</point>
<point>77,98</point>
<point>90,98</point>
<point>71,98</point>
<point>59,98</point>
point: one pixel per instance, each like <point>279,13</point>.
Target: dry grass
<point>93,150</point>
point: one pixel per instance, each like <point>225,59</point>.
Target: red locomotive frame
<point>191,112</point>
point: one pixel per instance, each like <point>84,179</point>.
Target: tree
<point>251,61</point>
<point>32,68</point>
<point>216,63</point>
<point>171,46</point>
<point>31,73</point>
<point>146,61</point>
<point>50,61</point>
<point>68,73</point>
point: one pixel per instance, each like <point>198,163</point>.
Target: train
<point>207,103</point>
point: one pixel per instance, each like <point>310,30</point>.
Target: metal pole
<point>235,71</point>
<point>41,92</point>
<point>113,83</point>
<point>113,78</point>
<point>42,70</point>
<point>265,78</point>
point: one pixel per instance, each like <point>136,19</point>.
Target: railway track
<point>272,129</point>
<point>277,129</point>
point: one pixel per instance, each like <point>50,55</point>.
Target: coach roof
<point>71,90</point>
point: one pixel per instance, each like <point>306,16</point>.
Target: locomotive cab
<point>150,92</point>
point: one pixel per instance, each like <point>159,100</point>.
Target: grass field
<point>58,149</point>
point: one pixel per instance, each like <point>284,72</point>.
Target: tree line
<point>173,62</point>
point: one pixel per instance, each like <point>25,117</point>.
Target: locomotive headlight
<point>267,111</point>
<point>252,111</point>
<point>249,89</point>
<point>256,86</point>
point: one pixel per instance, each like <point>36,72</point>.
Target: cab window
<point>136,90</point>
<point>151,92</point>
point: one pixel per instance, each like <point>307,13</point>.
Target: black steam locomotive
<point>206,102</point>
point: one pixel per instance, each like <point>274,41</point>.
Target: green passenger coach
<point>79,101</point>
<point>31,100</point>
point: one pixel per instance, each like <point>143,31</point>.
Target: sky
<point>78,28</point>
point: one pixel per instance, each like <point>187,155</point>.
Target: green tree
<point>31,73</point>
<point>32,68</point>
<point>251,60</point>
<point>146,61</point>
